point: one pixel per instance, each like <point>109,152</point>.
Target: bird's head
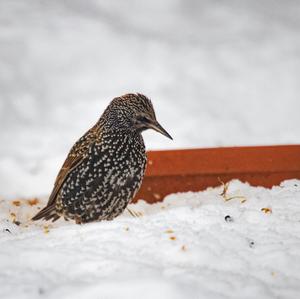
<point>134,112</point>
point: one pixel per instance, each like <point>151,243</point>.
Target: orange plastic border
<point>196,169</point>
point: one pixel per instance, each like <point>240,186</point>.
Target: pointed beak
<point>158,128</point>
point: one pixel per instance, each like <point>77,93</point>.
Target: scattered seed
<point>172,238</point>
<point>46,229</point>
<point>16,203</point>
<point>266,210</point>
<point>251,244</point>
<point>13,217</point>
<point>169,231</point>
<point>228,218</point>
<point>33,201</point>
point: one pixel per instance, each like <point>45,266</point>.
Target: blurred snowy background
<point>219,73</point>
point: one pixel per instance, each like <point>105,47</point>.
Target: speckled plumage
<point>105,167</point>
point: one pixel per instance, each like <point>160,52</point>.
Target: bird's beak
<point>158,128</point>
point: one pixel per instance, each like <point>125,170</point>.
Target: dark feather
<point>74,158</point>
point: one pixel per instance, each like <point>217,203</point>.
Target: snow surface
<point>219,73</point>
<point>180,248</point>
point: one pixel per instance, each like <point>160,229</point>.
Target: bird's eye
<point>143,119</point>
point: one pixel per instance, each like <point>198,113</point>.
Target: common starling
<point>105,167</point>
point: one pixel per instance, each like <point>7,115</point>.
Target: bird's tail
<point>47,213</point>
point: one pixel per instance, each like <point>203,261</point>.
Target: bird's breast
<point>111,173</point>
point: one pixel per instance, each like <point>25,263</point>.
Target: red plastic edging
<point>196,169</point>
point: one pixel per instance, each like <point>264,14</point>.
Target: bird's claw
<point>134,213</point>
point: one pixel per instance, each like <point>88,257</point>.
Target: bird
<point>105,167</point>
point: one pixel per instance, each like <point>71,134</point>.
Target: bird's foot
<point>134,213</point>
<point>78,219</point>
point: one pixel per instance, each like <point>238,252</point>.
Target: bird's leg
<point>134,213</point>
<point>78,219</point>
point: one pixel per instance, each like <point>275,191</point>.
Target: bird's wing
<point>71,162</point>
<point>76,155</point>
<point>49,212</point>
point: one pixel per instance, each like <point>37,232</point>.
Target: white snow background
<point>181,248</point>
<point>220,73</point>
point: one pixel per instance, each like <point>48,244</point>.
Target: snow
<point>220,73</point>
<point>179,248</point>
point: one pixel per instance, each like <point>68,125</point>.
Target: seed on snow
<point>169,231</point>
<point>228,218</point>
<point>266,210</point>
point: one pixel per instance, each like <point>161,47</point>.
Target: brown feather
<point>76,155</point>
